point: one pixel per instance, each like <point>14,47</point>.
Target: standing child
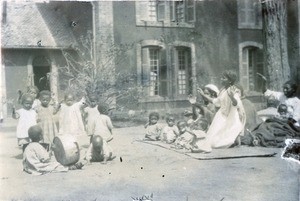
<point>170,132</point>
<point>90,114</point>
<point>98,151</point>
<point>46,117</point>
<point>101,125</point>
<point>34,91</point>
<point>70,117</point>
<point>153,129</point>
<point>36,160</point>
<point>185,138</point>
<point>27,118</point>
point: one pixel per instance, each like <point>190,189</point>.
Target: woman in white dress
<point>228,122</point>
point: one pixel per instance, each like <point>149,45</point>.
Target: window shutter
<point>145,11</point>
<point>190,11</point>
<point>172,11</point>
<point>161,9</point>
<point>190,76</point>
<point>244,70</point>
<point>145,70</point>
<point>180,11</point>
<point>251,68</point>
<point>258,14</point>
<point>259,69</point>
<point>142,10</point>
<point>163,74</point>
<point>241,13</point>
<point>152,9</point>
<point>173,71</point>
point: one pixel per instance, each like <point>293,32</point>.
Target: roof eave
<point>36,47</point>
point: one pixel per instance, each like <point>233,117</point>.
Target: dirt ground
<point>145,170</point>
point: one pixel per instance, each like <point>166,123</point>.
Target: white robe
<point>70,120</point>
<point>227,125</point>
<point>36,160</point>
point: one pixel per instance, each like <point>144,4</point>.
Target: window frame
<point>187,52</point>
<point>244,74</point>
<point>164,20</point>
<point>170,78</point>
<point>244,8</point>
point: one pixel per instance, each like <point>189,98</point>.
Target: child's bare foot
<point>77,166</point>
<point>112,158</point>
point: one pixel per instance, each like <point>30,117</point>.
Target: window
<point>183,69</point>
<point>252,63</point>
<point>165,13</point>
<point>154,73</point>
<point>166,72</point>
<point>249,14</point>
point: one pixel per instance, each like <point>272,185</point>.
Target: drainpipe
<point>94,33</point>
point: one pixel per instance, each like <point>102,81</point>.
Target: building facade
<point>177,46</point>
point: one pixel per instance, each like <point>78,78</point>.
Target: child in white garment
<point>90,114</point>
<point>70,116</point>
<point>37,161</point>
<point>186,138</point>
<point>153,129</point>
<point>27,118</point>
<point>170,132</point>
<point>101,125</point>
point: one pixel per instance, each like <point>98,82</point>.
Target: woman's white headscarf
<point>213,88</point>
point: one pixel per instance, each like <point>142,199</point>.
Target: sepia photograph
<point>150,100</point>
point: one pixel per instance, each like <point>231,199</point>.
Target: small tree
<point>86,76</point>
<point>275,48</point>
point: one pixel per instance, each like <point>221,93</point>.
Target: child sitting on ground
<point>99,151</point>
<point>185,138</point>
<point>199,124</point>
<point>170,132</point>
<point>36,160</point>
<point>196,124</point>
<point>153,129</point>
<point>27,118</point>
<point>285,115</point>
<point>283,112</point>
<point>101,125</point>
<point>188,117</point>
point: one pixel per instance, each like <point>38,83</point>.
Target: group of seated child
<point>181,135</point>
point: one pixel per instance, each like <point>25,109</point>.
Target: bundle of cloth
<point>272,133</point>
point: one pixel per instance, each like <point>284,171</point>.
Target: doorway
<point>42,71</point>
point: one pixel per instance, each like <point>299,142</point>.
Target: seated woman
<point>289,98</point>
<point>270,111</point>
<point>228,122</point>
<point>207,108</point>
<point>275,130</point>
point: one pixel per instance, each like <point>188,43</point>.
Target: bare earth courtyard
<point>143,169</point>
